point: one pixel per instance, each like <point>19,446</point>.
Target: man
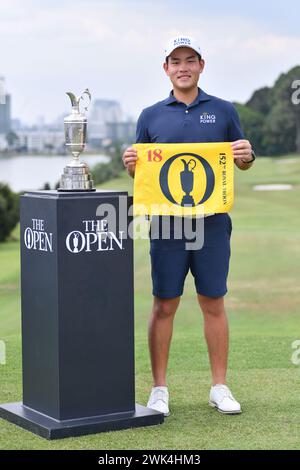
<point>191,115</point>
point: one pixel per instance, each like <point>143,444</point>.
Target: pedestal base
<point>76,176</point>
<point>50,428</point>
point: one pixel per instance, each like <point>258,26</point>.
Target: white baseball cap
<point>182,41</point>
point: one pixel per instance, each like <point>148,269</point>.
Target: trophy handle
<point>192,161</point>
<point>72,98</point>
<point>81,97</point>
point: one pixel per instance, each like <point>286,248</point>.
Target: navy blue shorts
<point>209,265</point>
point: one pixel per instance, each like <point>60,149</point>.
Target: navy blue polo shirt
<point>206,119</point>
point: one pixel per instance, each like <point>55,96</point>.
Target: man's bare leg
<point>159,336</point>
<point>217,336</point>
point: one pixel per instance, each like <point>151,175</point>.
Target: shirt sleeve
<point>142,136</point>
<point>235,131</point>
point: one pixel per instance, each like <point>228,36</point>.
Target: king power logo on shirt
<point>183,179</point>
<point>207,118</point>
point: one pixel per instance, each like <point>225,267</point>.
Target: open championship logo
<point>191,165</point>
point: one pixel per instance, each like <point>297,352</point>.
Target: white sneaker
<point>220,397</point>
<point>159,400</point>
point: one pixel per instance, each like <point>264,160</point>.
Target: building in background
<point>102,112</point>
<point>106,125</point>
<point>41,141</point>
<point>5,109</point>
<point>16,124</point>
<point>121,131</point>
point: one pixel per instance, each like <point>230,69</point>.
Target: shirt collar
<point>202,96</point>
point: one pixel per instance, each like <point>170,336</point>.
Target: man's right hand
<point>129,159</point>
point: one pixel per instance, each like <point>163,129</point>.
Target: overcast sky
<point>116,47</point>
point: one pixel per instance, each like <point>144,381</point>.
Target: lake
<point>26,172</point>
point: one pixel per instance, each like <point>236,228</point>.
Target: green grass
<point>263,306</point>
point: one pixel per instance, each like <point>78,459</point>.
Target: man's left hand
<point>242,149</point>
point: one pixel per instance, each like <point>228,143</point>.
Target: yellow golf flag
<point>183,179</point>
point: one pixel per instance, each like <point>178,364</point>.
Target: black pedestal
<point>77,316</point>
<point>50,428</point>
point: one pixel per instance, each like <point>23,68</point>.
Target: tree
<point>11,139</point>
<point>279,131</point>
<point>9,211</point>
<point>106,171</point>
<point>283,93</point>
<point>273,125</point>
<point>252,123</point>
<point>261,100</point>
